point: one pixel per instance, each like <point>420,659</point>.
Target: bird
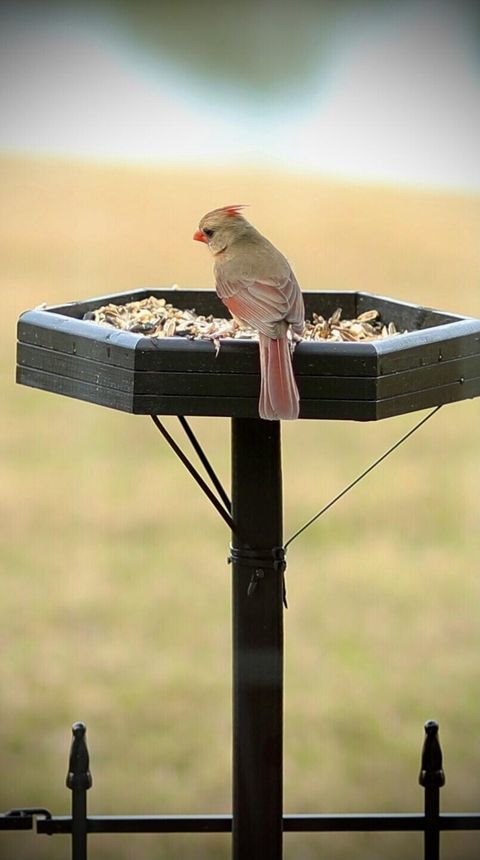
<point>257,285</point>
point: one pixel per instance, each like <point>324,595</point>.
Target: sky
<point>393,96</point>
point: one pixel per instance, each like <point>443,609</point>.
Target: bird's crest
<point>233,210</point>
<point>220,217</point>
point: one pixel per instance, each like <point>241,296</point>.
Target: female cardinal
<point>257,285</point>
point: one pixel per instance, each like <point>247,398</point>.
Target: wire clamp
<point>260,560</point>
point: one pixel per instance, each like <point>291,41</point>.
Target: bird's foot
<point>224,331</point>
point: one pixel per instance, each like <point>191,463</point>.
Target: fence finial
<point>431,773</point>
<point>79,776</point>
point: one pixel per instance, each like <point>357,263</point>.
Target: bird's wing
<point>264,304</point>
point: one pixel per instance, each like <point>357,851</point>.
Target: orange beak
<point>200,237</point>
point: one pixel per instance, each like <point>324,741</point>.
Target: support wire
<point>362,475</point>
<point>224,506</point>
<point>225,514</point>
<point>205,462</point>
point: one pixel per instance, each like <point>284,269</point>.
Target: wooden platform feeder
<point>437,362</point>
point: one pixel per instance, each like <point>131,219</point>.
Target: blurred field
<point>115,592</point>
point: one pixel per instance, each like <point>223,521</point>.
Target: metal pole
<point>79,780</point>
<point>257,559</point>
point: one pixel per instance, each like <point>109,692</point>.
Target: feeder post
<point>257,598</point>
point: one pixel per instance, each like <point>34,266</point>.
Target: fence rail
<point>79,825</point>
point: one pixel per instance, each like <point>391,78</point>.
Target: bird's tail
<point>278,390</point>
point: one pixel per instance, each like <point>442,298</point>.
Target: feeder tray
<point>437,361</point>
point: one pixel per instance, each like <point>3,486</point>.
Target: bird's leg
<point>228,330</point>
<point>293,339</point>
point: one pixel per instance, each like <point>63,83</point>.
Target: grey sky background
<point>374,90</point>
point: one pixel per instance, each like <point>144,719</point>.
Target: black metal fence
<point>431,822</point>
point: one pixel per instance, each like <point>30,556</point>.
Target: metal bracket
<point>261,560</point>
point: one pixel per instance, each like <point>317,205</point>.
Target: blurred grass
<point>116,605</point>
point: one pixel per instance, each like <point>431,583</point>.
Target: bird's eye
<point>208,232</point>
